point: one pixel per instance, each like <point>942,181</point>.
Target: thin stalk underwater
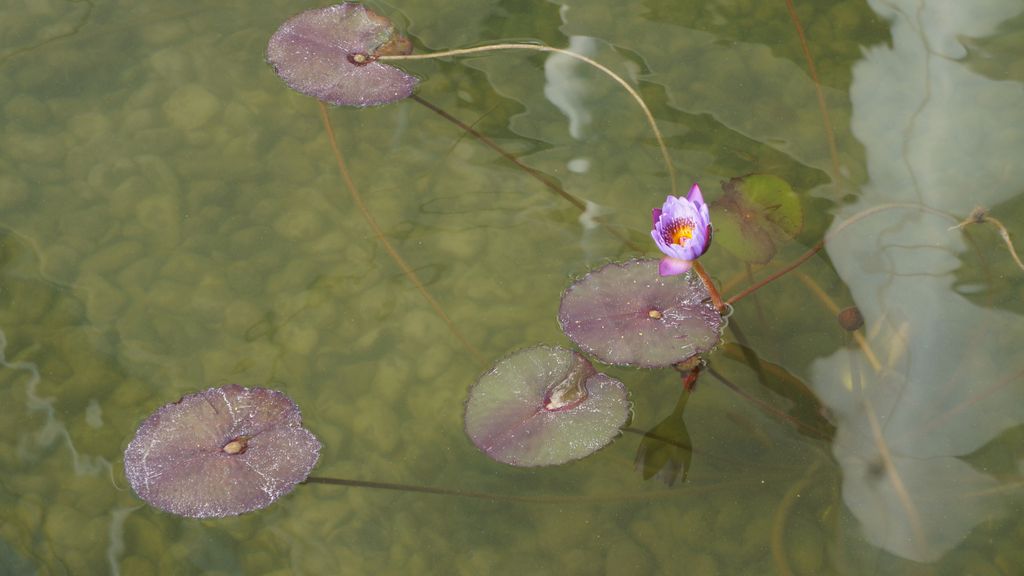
<point>379,234</point>
<point>542,48</point>
<point>766,407</point>
<point>828,237</point>
<point>834,309</point>
<point>537,175</point>
<point>781,517</point>
<point>692,489</point>
<point>826,121</point>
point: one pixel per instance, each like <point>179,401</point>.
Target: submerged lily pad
<point>220,452</point>
<point>329,53</point>
<point>755,215</point>
<point>666,450</point>
<point>628,314</point>
<point>543,406</point>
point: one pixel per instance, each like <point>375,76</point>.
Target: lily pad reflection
<point>543,406</point>
<point>625,313</point>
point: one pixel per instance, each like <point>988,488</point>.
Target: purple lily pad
<point>543,406</point>
<point>221,452</point>
<point>627,314</point>
<point>329,53</point>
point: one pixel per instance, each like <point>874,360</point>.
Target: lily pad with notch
<point>544,406</point>
<point>628,314</point>
<point>221,452</point>
<point>330,54</point>
<point>756,214</point>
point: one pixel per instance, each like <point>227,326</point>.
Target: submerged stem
<point>829,236</point>
<point>830,136</point>
<point>537,175</point>
<point>692,489</point>
<point>379,234</point>
<point>781,517</point>
<point>413,488</point>
<point>542,48</point>
<point>833,308</point>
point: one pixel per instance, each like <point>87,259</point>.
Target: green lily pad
<point>756,214</point>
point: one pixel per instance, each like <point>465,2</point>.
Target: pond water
<point>172,218</point>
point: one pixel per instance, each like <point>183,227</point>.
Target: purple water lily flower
<point>682,231</point>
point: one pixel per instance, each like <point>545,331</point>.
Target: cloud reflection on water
<point>938,134</point>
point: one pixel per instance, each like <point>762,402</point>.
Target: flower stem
<point>716,298</point>
<point>542,48</point>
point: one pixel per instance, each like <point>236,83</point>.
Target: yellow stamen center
<point>681,231</point>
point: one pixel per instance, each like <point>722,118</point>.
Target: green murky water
<point>171,218</point>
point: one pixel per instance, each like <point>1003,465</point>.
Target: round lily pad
<point>543,406</point>
<point>329,53</point>
<point>756,214</point>
<point>221,452</point>
<point>628,314</point>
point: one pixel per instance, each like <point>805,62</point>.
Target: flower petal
<point>671,266</point>
<point>695,196</point>
<point>682,229</point>
<point>678,209</point>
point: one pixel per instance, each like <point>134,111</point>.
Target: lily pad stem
<point>542,48</point>
<point>627,496</point>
